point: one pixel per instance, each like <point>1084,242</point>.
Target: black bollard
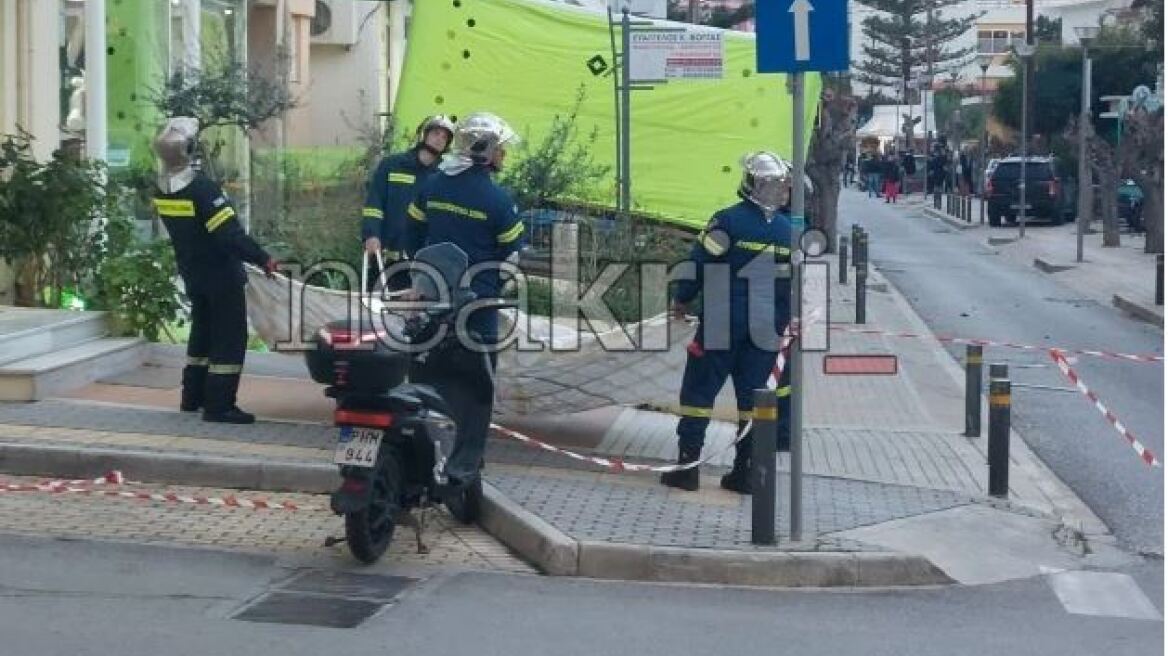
<point>862,279</point>
<point>856,230</point>
<point>843,260</point>
<point>973,361</point>
<point>999,446</point>
<point>763,477</point>
<point>1160,279</point>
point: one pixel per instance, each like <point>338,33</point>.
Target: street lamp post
<point>1025,51</point>
<point>926,82</point>
<point>1086,34</point>
<point>983,62</point>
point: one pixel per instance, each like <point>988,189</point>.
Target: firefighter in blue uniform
<point>210,247</point>
<point>738,334</point>
<point>463,205</point>
<point>392,186</point>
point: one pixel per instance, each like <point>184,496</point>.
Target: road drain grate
<point>337,600</point>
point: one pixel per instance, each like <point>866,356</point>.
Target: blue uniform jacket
<point>736,237</point>
<point>392,186</point>
<point>472,212</point>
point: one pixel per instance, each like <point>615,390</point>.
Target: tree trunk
<point>831,142</point>
<point>826,201</point>
<point>1153,189</point>
<point>1110,179</point>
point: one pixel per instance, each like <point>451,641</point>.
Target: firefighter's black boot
<point>684,479</point>
<point>220,405</point>
<point>194,385</point>
<point>738,480</point>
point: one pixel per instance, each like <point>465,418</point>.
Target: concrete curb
<point>169,468</point>
<point>1141,311</point>
<point>948,220</point>
<point>632,562</point>
<point>540,543</point>
<point>533,538</point>
<point>1048,267</point>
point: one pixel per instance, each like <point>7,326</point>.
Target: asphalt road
<point>74,598</point>
<point>961,287</point>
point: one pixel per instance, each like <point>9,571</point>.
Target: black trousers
<point>216,348</point>
<point>462,379</point>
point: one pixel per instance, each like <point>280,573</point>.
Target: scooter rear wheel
<point>369,531</point>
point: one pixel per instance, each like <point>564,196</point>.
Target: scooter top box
<point>356,357</point>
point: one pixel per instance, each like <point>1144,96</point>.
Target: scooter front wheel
<point>370,530</point>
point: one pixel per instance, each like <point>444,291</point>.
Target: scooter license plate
<point>358,446</point>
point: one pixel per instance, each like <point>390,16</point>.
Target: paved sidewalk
<point>1124,276</point>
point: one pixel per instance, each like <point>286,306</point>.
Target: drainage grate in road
<point>345,584</point>
<point>338,600</point>
<point>309,610</point>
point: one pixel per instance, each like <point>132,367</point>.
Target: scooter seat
<point>416,396</point>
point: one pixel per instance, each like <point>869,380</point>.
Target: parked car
<point>1130,199</point>
<point>1044,195</point>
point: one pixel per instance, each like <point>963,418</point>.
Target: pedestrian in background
<point>891,176</point>
<point>872,175</point>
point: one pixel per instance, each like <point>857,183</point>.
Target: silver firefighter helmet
<point>175,144</point>
<point>175,149</point>
<point>435,122</point>
<point>766,180</point>
<point>480,136</point>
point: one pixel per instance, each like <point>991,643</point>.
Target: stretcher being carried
<point>547,369</point>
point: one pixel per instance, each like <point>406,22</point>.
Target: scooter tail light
<point>363,418</point>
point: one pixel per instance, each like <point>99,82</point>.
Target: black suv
<point>1044,194</point>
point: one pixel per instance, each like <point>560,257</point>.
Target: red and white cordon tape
<point>618,465</point>
<point>1110,355</point>
<point>114,478</point>
<point>111,478</point>
<point>1146,455</point>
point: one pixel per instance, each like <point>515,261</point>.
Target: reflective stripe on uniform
<point>457,209</point>
<point>691,411</point>
<point>391,256</point>
<point>221,217</point>
<point>511,235</point>
<point>402,178</point>
<point>783,391</point>
<point>712,245</point>
<point>745,415</point>
<point>415,213</point>
<point>175,209</point>
<point>760,247</point>
<point>198,362</point>
<point>372,213</point>
<point>225,369</point>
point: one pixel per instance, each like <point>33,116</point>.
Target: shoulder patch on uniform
<point>220,201</point>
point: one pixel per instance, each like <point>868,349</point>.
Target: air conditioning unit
<point>336,22</point>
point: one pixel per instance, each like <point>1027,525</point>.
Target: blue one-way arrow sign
<point>802,35</point>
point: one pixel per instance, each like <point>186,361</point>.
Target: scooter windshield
<point>437,274</point>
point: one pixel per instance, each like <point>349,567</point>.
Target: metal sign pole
<point>796,360</point>
<point>626,117</point>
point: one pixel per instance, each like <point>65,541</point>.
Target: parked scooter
<point>394,437</point>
